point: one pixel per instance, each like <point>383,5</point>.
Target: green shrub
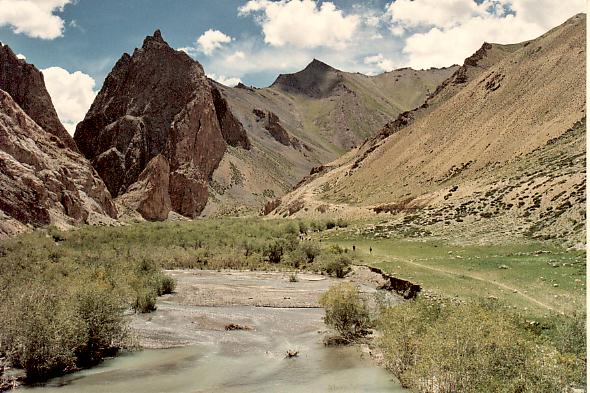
<point>48,331</point>
<point>311,250</point>
<point>296,258</point>
<point>346,311</point>
<point>335,265</point>
<point>330,224</point>
<point>101,314</point>
<point>274,250</point>
<point>318,226</point>
<point>145,301</point>
<point>40,333</point>
<point>167,285</point>
<point>303,227</point>
<point>341,223</point>
<point>402,327</point>
<point>467,348</point>
<point>568,333</point>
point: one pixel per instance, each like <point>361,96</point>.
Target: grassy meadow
<point>536,278</point>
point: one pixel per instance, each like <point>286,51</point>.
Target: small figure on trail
<point>370,250</point>
<point>353,247</point>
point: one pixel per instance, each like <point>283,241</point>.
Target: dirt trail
<point>473,277</point>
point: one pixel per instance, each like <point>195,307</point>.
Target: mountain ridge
<point>498,111</point>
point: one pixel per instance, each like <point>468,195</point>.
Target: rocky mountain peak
<point>317,65</point>
<point>159,103</point>
<point>26,85</point>
<point>154,40</point>
<point>316,80</point>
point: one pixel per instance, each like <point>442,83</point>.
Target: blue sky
<point>76,42</point>
<point>97,33</point>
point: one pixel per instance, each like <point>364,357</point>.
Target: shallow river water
<point>201,369</point>
<point>207,358</point>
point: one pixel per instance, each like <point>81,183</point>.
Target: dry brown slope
<point>511,138</point>
<point>528,98</point>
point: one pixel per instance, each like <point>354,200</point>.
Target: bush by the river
<point>346,311</point>
<point>479,347</point>
<point>63,296</point>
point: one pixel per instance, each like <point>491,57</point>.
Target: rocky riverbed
<point>230,331</point>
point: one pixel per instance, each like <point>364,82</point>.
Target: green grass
<point>480,347</point>
<point>482,271</point>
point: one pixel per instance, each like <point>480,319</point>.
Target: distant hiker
<point>370,250</point>
<point>353,247</point>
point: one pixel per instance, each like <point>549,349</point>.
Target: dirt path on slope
<point>477,278</point>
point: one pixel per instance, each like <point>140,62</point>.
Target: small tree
<point>335,265</point>
<point>346,311</point>
<point>311,250</point>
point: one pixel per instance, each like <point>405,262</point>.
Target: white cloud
<point>302,23</point>
<point>35,18</point>
<point>227,81</point>
<point>71,93</point>
<point>546,13</point>
<point>21,56</point>
<point>439,13</point>
<point>371,39</point>
<point>211,40</point>
<point>444,32</point>
<point>237,56</point>
<point>383,63</point>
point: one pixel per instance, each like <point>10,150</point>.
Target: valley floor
<point>247,291</point>
<point>535,278</point>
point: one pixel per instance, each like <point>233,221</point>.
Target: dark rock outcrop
<point>404,288</point>
<point>43,182</point>
<point>276,130</point>
<point>317,80</point>
<point>25,84</point>
<point>232,130</point>
<point>159,101</point>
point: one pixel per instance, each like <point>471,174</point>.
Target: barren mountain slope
<point>503,130</point>
<point>304,120</point>
<point>42,181</point>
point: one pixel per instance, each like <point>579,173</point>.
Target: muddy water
<point>207,358</point>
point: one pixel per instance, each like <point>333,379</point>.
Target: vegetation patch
<point>476,347</point>
<point>64,295</point>
<point>346,311</point>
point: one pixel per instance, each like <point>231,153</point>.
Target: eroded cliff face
<point>42,181</point>
<point>25,84</point>
<point>159,101</point>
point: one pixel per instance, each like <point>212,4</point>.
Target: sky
<point>76,42</point>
